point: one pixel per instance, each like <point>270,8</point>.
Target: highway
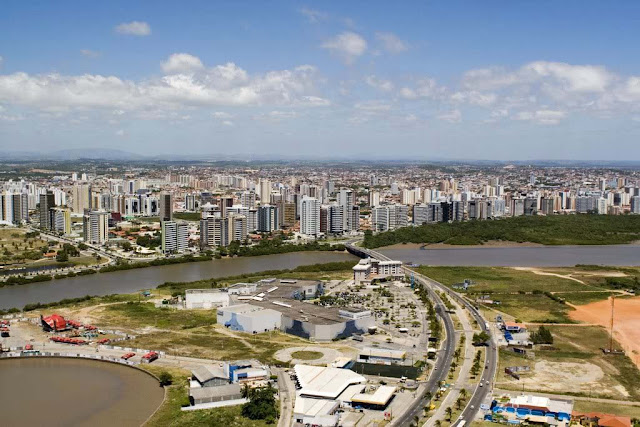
<point>445,357</point>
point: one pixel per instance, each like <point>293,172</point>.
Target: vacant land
<point>19,248</point>
<point>137,315</point>
<point>626,328</point>
<point>574,364</point>
<point>537,295</point>
<point>546,230</point>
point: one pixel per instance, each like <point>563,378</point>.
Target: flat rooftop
<point>276,295</point>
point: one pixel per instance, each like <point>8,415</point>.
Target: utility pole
<point>613,298</point>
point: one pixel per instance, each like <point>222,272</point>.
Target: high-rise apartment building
<point>47,201</point>
<point>95,227</point>
<point>264,187</point>
<point>389,217</point>
<point>166,207</point>
<point>81,194</point>
<point>175,237</point>
<point>267,218</point>
<point>310,216</point>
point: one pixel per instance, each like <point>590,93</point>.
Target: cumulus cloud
<point>373,106</point>
<point>391,43</point>
<point>453,116</point>
<point>314,16</point>
<point>1,59</point>
<point>347,45</point>
<point>182,63</point>
<point>225,84</point>
<point>134,28</point>
<point>380,84</point>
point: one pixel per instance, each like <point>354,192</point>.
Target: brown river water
<point>53,391</point>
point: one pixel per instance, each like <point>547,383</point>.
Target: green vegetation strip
<point>546,230</point>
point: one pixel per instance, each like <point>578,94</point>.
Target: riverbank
<point>133,280</point>
<point>488,244</point>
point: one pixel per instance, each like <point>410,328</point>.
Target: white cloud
<point>221,115</point>
<point>227,123</point>
<point>392,43</point>
<point>1,59</point>
<point>453,116</point>
<point>182,63</point>
<point>348,45</point>
<point>474,97</point>
<point>120,132</point>
<point>545,117</point>
<point>225,84</point>
<point>134,28</point>
<point>380,84</point>
<point>89,53</point>
<point>425,88</point>
<point>313,16</point>
<point>277,115</point>
<point>373,106</point>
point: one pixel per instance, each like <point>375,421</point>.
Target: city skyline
<point>427,81</point>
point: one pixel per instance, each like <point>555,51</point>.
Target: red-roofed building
<point>600,419</point>
<point>53,323</point>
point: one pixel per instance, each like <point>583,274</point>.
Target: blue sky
<point>465,79</point>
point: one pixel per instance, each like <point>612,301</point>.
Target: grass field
<point>306,355</point>
<point>535,308</point>
<point>212,343</point>
<point>136,315</point>
<point>503,279</point>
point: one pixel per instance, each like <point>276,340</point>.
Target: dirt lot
<point>626,329</point>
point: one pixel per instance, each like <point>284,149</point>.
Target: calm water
<point>146,278</point>
<point>544,256</point>
<point>75,392</point>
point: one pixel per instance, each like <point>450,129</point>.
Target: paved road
<point>479,394</point>
<point>287,392</point>
<point>445,355</point>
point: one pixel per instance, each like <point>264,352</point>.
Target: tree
<point>481,338</point>
<point>62,256</point>
<point>459,402</point>
<point>449,412</point>
<point>543,336</point>
<point>165,378</point>
<point>261,404</point>
<point>463,393</point>
<point>438,423</point>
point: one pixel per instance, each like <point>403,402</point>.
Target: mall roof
<point>381,397</point>
<point>325,382</point>
<point>314,407</point>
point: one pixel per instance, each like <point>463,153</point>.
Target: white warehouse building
<point>249,318</point>
<point>205,299</point>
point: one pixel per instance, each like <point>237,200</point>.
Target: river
<point>75,392</point>
<point>127,281</point>
<point>517,256</point>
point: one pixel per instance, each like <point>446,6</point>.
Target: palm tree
<point>438,423</point>
<point>428,396</point>
<point>463,393</point>
<point>459,402</point>
<point>449,412</point>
